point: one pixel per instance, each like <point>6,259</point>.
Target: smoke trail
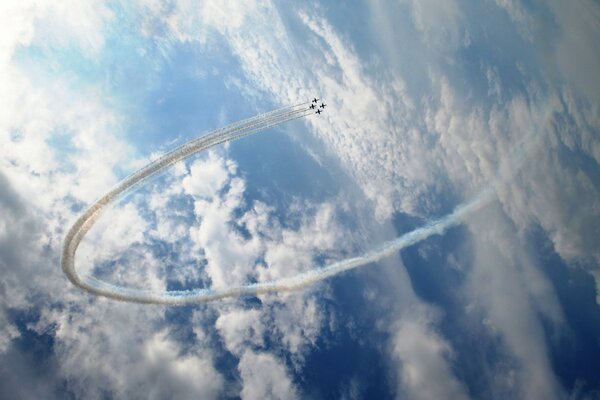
<point>236,131</point>
<point>230,132</point>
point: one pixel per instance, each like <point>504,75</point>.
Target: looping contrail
<point>229,133</point>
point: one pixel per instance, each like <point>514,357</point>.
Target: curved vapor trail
<point>228,133</point>
<point>233,132</point>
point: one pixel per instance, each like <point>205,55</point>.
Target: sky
<point>491,108</point>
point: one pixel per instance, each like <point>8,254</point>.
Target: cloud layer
<point>428,101</point>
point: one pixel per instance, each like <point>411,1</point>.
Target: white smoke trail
<point>237,131</point>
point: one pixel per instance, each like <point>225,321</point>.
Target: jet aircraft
<point>318,111</point>
<point>315,100</point>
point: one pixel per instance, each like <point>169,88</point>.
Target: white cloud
<point>189,376</point>
<point>424,356</point>
<point>571,59</point>
<point>352,390</point>
<point>122,350</point>
<point>60,144</point>
<point>207,176</point>
<point>223,14</point>
<point>298,322</point>
<point>40,107</point>
<point>290,251</point>
<point>119,228</point>
<point>241,328</point>
<point>48,23</point>
<point>8,332</point>
<point>21,241</point>
<point>401,150</point>
<point>262,44</point>
<point>295,319</point>
<point>440,24</point>
<point>509,287</point>
<point>170,221</point>
<point>397,147</point>
<point>265,377</point>
<point>520,16</point>
<point>230,256</point>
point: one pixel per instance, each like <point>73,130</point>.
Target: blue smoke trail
<point>235,131</point>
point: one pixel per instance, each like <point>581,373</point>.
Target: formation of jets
<point>320,108</point>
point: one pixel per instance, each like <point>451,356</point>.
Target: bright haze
<point>433,233</point>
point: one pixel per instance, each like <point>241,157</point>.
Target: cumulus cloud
<point>408,134</point>
<point>403,149</point>
<point>269,250</point>
<point>179,377</point>
<point>291,251</point>
<point>120,228</point>
<point>229,255</point>
<point>18,227</point>
<point>60,144</point>
<point>207,177</point>
<point>424,372</point>
<point>265,377</point>
<point>36,176</point>
<point>129,353</point>
<point>51,24</point>
<point>240,329</point>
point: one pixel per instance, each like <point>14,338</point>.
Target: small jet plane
<point>323,105</point>
<point>318,111</point>
<point>312,106</point>
<point>315,100</point>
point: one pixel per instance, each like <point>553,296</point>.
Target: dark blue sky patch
<point>182,99</point>
<point>277,169</point>
<point>351,352</point>
<point>434,278</point>
<point>38,346</point>
<point>437,268</point>
<point>575,350</point>
<point>480,360</point>
<point>29,367</point>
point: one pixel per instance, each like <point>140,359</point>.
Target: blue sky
<point>429,104</point>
